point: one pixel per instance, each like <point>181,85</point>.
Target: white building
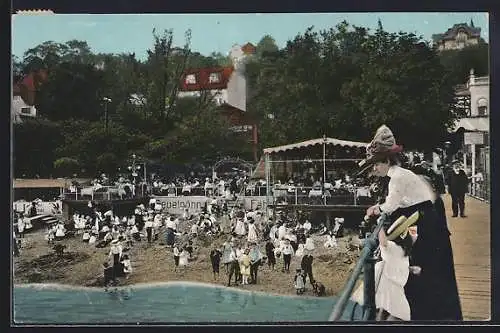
<point>474,128</point>
<point>20,110</point>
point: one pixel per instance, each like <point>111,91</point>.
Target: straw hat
<point>382,145</point>
<point>400,227</point>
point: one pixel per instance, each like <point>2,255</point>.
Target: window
<point>482,107</point>
<point>190,79</point>
<point>26,110</point>
<point>214,78</point>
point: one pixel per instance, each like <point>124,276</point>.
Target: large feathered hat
<point>382,145</point>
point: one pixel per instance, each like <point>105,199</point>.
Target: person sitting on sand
<point>86,236</point>
<point>136,235</point>
<point>93,238</point>
<point>330,241</point>
<point>319,289</point>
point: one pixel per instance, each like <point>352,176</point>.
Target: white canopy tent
<point>322,141</point>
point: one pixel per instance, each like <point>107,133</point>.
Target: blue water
<point>162,303</point>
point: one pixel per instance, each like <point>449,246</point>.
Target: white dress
<point>309,244</point>
<point>300,251</point>
<point>330,241</point>
<point>391,275</point>
<point>183,258</point>
<point>239,229</point>
<point>252,233</point>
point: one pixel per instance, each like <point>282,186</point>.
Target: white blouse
<point>405,189</point>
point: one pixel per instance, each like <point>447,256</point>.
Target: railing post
<point>369,287</point>
<point>296,199</point>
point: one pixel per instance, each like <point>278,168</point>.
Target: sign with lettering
<point>254,202</point>
<point>177,205</point>
<point>473,138</point>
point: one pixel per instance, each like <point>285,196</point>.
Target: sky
<point>212,32</point>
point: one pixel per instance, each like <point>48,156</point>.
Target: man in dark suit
<point>306,265</point>
<point>458,183</point>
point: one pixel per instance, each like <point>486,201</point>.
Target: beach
<point>81,265</point>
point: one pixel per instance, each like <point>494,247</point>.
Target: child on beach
<point>391,275</point>
<point>176,257</point>
<point>299,280</point>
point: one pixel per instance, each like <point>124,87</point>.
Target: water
<point>162,303</point>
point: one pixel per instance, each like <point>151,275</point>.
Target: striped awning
<point>308,143</point>
<point>481,124</point>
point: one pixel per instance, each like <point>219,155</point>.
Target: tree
<point>266,45</point>
<point>67,166</point>
<point>35,142</point>
<point>460,62</point>
<point>345,82</point>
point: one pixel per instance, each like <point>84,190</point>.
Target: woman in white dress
<point>281,231</point>
<point>391,275</point>
<point>272,232</point>
<point>183,258</point>
<point>60,231</point>
<point>309,244</point>
<point>227,247</point>
<point>300,250</point>
<point>239,229</point>
<point>252,231</point>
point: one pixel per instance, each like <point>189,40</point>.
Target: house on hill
<point>459,36</point>
<point>23,95</point>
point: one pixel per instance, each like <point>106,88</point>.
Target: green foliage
<point>67,166</point>
<point>460,62</point>
<point>343,82</point>
<point>347,81</point>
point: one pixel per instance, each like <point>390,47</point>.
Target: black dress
<point>432,295</point>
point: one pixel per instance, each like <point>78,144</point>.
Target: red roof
<point>205,78</point>
<point>249,48</point>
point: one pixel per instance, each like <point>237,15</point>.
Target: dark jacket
<point>306,263</point>
<point>458,183</point>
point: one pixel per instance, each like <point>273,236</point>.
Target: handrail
<point>368,249</point>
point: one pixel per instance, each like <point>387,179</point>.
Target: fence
<point>365,265</point>
<point>480,190</point>
<point>103,193</point>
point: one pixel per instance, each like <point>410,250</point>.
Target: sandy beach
<point>81,265</point>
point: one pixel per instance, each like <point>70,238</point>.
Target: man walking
<point>457,187</point>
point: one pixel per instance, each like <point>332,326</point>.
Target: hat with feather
<point>382,146</point>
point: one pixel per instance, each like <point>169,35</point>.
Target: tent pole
<point>324,167</point>
<point>268,180</point>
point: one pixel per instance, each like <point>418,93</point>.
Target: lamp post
<point>106,118</point>
<point>135,167</point>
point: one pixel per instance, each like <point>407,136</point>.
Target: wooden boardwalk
<point>470,239</point>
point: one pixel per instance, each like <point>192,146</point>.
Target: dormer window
<point>190,79</point>
<point>214,78</point>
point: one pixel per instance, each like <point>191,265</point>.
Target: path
<point>470,239</point>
